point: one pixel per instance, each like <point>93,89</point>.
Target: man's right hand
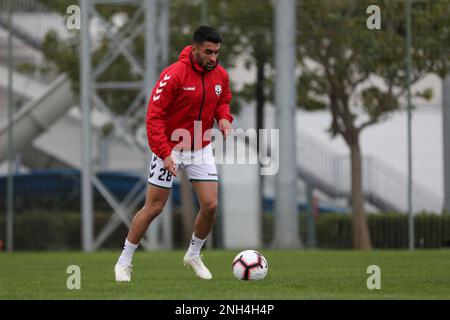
<point>169,164</point>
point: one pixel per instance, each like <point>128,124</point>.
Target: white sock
<point>127,253</point>
<point>195,246</point>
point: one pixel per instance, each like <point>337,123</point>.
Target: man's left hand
<point>225,127</point>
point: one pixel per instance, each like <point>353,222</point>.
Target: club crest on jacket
<point>218,89</point>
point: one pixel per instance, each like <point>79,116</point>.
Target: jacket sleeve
<point>222,110</point>
<point>162,96</point>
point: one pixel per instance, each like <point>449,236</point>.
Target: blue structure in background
<point>65,185</point>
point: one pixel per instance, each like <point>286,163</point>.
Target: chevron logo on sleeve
<point>160,89</point>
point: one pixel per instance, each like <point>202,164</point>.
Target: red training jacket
<point>186,93</point>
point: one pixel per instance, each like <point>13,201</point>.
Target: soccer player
<point>189,95</point>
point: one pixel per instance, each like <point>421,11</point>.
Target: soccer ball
<point>250,265</point>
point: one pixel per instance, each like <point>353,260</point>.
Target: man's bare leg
<point>207,194</point>
<point>154,204</point>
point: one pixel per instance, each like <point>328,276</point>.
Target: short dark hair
<point>206,33</point>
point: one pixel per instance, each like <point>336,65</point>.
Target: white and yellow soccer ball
<point>250,265</point>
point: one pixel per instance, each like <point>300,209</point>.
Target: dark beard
<point>206,67</point>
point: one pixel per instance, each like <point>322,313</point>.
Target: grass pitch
<point>292,275</point>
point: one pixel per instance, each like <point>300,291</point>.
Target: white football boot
<point>123,272</point>
<point>196,263</point>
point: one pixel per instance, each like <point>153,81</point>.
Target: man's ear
<point>195,48</point>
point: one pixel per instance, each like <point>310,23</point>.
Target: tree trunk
<point>361,237</point>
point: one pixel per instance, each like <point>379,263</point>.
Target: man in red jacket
<point>189,95</point>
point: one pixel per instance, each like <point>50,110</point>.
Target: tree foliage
<point>360,73</point>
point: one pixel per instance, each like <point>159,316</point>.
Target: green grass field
<point>292,275</point>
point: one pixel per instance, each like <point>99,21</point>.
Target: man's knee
<point>153,209</point>
<point>210,207</point>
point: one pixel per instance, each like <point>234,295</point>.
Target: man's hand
<point>169,164</point>
<point>225,127</point>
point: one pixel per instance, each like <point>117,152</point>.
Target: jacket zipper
<point>201,107</point>
<point>203,98</point>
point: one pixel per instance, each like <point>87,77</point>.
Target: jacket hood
<point>187,57</point>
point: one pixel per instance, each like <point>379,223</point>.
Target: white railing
<point>380,181</point>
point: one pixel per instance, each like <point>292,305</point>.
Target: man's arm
<point>161,98</point>
<point>222,113</point>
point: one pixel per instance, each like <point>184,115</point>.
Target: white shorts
<point>199,165</point>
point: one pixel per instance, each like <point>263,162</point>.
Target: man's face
<point>207,54</point>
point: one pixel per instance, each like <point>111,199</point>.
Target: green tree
<point>359,74</point>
